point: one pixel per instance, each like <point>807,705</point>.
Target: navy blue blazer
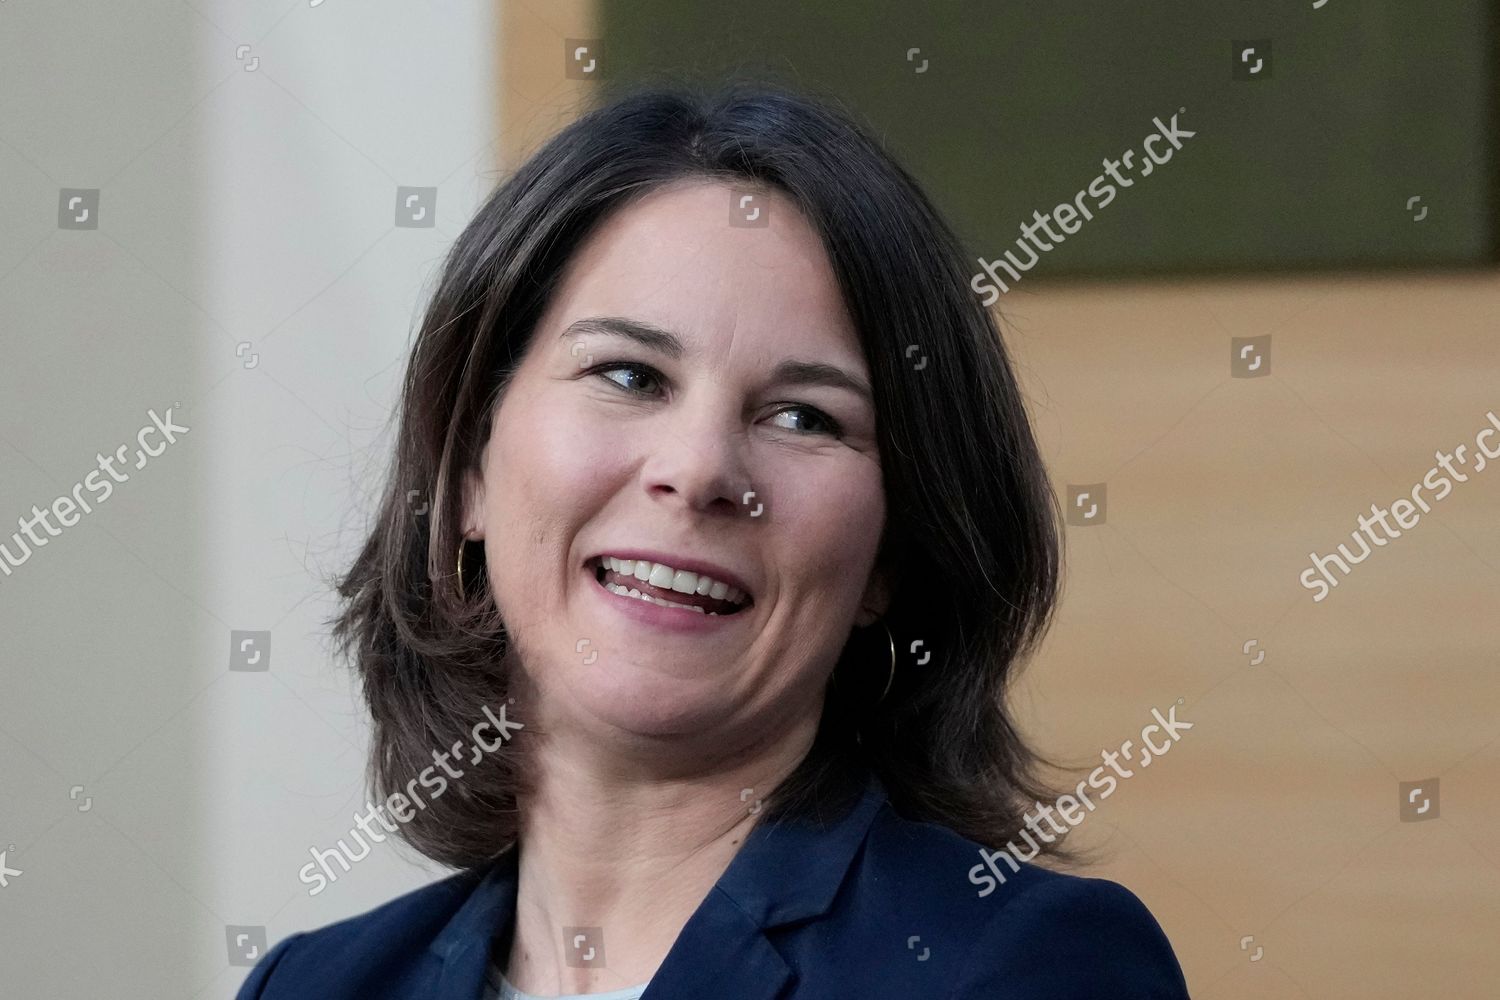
<point>869,906</point>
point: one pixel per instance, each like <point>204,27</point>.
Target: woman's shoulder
<point>1008,926</point>
<point>362,954</point>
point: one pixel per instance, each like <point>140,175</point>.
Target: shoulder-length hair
<point>971,539</point>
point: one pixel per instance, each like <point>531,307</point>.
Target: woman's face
<point>694,396</point>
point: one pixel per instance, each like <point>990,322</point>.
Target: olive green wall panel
<point>1307,152</point>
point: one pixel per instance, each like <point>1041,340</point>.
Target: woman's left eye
<point>822,423</point>
<point>605,371</point>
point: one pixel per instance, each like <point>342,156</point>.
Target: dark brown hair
<point>971,539</point>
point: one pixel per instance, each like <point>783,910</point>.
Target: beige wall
<point>1277,815</point>
<point>536,96</point>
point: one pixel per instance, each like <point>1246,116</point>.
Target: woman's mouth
<point>658,583</point>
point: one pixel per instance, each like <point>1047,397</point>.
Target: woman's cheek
<point>834,505</point>
<point>575,438</point>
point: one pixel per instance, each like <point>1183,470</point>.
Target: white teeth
<point>681,580</point>
<point>615,588</point>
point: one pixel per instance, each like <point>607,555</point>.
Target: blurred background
<point>235,212</point>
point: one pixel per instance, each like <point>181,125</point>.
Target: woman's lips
<point>665,618</point>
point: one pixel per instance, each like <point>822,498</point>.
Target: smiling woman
<point>735,504</point>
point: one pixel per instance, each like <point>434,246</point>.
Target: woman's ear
<point>876,599</point>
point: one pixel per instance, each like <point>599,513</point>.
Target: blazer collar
<point>786,871</point>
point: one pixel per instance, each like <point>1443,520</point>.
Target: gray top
<point>497,987</point>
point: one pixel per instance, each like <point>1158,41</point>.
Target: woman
<point>736,513</point>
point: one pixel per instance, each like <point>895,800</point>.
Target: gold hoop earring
<point>890,678</point>
<point>460,571</point>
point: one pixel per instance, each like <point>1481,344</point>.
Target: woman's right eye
<point>639,372</point>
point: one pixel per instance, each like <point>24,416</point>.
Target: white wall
<point>235,206</point>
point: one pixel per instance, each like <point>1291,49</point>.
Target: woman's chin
<point>649,703</point>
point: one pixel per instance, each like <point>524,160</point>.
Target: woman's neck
<point>611,867</point>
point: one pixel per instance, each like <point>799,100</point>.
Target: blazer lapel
<point>721,953</point>
<point>785,872</point>
<point>464,944</point>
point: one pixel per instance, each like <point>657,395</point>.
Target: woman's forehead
<point>674,258</point>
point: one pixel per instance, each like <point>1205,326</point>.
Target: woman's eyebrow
<point>820,373</point>
<point>789,372</point>
<point>642,333</point>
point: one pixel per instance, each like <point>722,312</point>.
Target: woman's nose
<point>697,460</point>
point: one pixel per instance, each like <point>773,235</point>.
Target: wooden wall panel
<point>1277,815</point>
